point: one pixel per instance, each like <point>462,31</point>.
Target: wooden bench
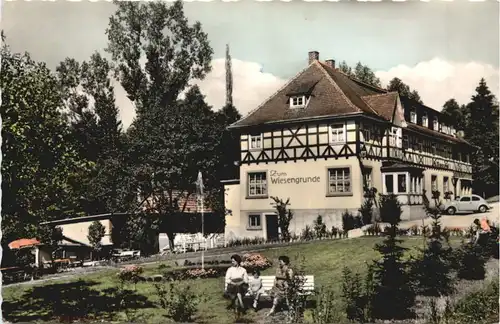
<point>268,283</point>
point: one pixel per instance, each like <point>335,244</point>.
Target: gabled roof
<point>331,93</point>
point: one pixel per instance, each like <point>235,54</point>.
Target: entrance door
<point>272,227</point>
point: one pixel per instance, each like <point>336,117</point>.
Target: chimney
<point>313,56</point>
<point>330,63</point>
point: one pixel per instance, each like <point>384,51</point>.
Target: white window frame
<point>425,120</point>
<point>415,184</point>
<point>413,117</point>
<point>395,138</point>
<point>298,101</point>
<point>340,135</point>
<point>255,139</point>
<point>395,184</point>
<point>261,183</point>
<point>435,125</point>
<point>453,132</point>
<point>338,175</point>
<point>257,217</point>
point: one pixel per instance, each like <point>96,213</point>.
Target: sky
<point>441,49</point>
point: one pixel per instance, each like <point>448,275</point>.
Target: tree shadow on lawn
<point>68,302</point>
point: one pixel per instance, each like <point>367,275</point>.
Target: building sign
<point>278,177</point>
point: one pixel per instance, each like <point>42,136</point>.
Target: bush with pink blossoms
<point>201,273</point>
<point>131,273</point>
<point>255,261</point>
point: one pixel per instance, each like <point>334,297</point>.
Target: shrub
<point>469,262</point>
<point>131,273</point>
<point>324,313</point>
<point>253,261</point>
<point>307,233</point>
<point>201,273</point>
<point>390,209</point>
<point>347,221</point>
<point>295,293</point>
<point>478,307</point>
<point>366,211</point>
<point>432,270</point>
<point>285,216</point>
<point>353,295</point>
<point>414,230</point>
<point>319,227</point>
<point>334,232</point>
<point>179,301</point>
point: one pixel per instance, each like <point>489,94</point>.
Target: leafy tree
<point>346,69</point>
<point>361,72</point>
<point>285,216</point>
<point>95,235</point>
<point>432,270</point>
<point>171,139</point>
<point>482,131</point>
<point>392,296</point>
<point>366,75</point>
<point>454,113</point>
<point>40,159</point>
<point>396,84</point>
<point>95,124</point>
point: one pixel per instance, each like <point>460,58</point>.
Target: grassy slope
<point>94,294</point>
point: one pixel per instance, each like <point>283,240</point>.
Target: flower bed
<point>252,261</point>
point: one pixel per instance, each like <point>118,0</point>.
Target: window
<point>339,181</point>
<point>395,137</point>
<point>254,221</point>
<point>436,125</point>
<point>368,177</point>
<point>298,102</point>
<point>446,186</point>
<point>467,158</point>
<point>452,131</point>
<point>425,121</point>
<point>257,184</point>
<point>474,198</point>
<point>337,133</point>
<point>389,183</point>
<point>416,184</point>
<point>406,142</point>
<point>465,199</point>
<point>255,141</point>
<point>413,117</point>
<point>401,183</point>
<point>434,186</point>
<point>367,136</point>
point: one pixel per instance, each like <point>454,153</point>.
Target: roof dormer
<point>299,101</point>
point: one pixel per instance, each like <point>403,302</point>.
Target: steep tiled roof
<point>384,104</point>
<point>331,93</point>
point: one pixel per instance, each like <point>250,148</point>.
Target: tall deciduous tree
<point>40,158</point>
<point>482,131</point>
<point>157,53</point>
<point>454,113</point>
<point>396,84</point>
<point>365,74</point>
<point>95,123</point>
<point>95,235</point>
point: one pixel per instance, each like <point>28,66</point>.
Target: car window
<point>475,198</point>
<point>465,199</point>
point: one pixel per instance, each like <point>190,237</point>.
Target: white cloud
<point>251,86</point>
<point>438,80</point>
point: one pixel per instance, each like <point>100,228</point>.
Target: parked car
<point>470,203</point>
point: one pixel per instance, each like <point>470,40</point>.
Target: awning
<point>386,167</point>
<point>23,243</point>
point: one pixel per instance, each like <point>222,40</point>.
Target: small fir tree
<point>393,296</point>
<point>432,270</point>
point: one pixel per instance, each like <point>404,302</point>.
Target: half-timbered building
<point>323,136</point>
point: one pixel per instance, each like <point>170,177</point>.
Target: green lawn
<point>94,296</point>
